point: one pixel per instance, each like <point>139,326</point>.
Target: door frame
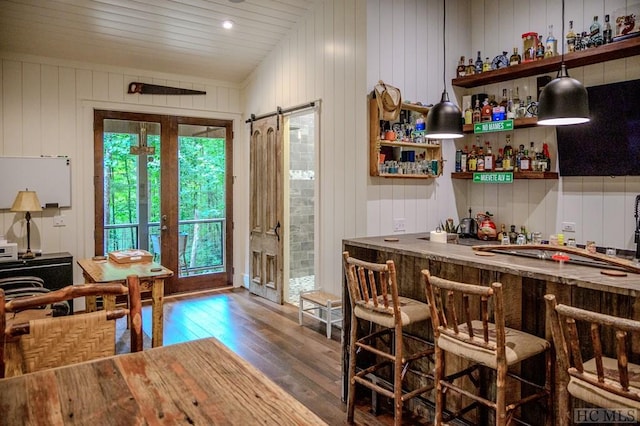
<point>169,200</point>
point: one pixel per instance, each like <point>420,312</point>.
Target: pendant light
<point>564,100</point>
<point>444,120</point>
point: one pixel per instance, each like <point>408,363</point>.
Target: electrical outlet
<point>568,227</point>
<point>59,220</point>
<point>398,225</point>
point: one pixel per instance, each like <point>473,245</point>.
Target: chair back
<point>462,312</point>
<point>372,286</point>
<point>12,283</point>
<point>565,322</point>
<point>55,341</point>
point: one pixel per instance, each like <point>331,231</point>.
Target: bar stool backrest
<point>372,286</point>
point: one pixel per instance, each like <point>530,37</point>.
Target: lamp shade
<point>444,120</point>
<point>26,201</point>
<point>563,101</point>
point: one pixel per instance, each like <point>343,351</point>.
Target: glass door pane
<point>131,161</point>
<point>202,198</point>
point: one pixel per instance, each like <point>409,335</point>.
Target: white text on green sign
<point>493,177</point>
<point>493,126</point>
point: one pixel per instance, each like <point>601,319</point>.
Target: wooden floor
<point>300,359</point>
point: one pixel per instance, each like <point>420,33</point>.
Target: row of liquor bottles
<point>534,48</point>
<point>489,109</point>
<point>482,158</point>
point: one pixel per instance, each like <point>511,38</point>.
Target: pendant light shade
<point>444,120</point>
<point>563,101</point>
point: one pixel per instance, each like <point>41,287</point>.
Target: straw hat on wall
<point>389,101</point>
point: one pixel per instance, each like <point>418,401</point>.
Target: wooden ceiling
<point>172,36</point>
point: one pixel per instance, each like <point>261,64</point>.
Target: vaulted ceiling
<point>172,36</point>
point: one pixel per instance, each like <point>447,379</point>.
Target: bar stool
<point>482,343</point>
<point>602,381</point>
<point>373,291</point>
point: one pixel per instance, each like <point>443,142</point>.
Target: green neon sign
<point>493,177</point>
<point>493,126</point>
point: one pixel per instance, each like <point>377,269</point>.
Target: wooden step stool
<point>321,303</point>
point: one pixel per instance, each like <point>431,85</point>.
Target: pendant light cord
<point>562,34</point>
<point>444,44</point>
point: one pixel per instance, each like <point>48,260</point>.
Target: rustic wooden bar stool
<point>460,316</point>
<point>51,342</point>
<point>373,294</point>
<point>602,381</point>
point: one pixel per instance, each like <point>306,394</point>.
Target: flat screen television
<point>608,145</point>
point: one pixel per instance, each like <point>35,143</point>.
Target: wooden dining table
<point>200,382</point>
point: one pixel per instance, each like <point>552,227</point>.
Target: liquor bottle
<point>519,155</point>
<point>458,160</point>
<point>476,116</point>
<point>499,161</point>
<point>486,65</point>
<point>579,41</point>
<point>478,63</point>
<point>525,161</point>
<point>517,106</point>
<point>472,161</point>
<point>515,59</point>
<point>489,159</point>
<point>463,159</point>
<point>540,49</point>
<point>461,71</point>
<point>551,48</point>
<point>502,232</point>
<point>571,38</point>
<point>507,162</point>
<point>533,155</point>
<point>607,34</point>
<point>547,155</point>
<point>595,33</point>
<point>479,157</point>
<point>471,69</point>
<point>485,114</point>
<point>468,114</point>
<point>504,104</point>
<point>513,236</point>
<point>511,110</point>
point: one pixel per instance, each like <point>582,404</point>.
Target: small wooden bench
<point>322,307</point>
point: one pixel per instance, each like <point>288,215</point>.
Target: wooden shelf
<point>608,52</point>
<point>398,175</point>
<point>516,175</point>
<point>384,142</point>
<point>518,123</point>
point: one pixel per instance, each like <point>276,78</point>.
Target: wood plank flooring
<point>300,359</point>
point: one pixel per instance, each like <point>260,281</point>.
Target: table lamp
<point>27,201</point>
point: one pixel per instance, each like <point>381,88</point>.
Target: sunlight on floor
<point>296,285</point>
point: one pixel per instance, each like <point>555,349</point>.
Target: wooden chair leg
<point>439,375</point>
<point>351,395</point>
<point>501,397</point>
<point>397,377</point>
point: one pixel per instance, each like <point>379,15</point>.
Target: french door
<point>164,184</point>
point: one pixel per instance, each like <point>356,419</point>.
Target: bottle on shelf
<point>499,161</point>
<point>461,71</point>
<point>517,166</point>
<point>607,33</point>
<point>551,48</point>
<point>595,32</point>
<point>533,158</point>
<point>486,111</point>
<point>478,63</point>
<point>515,58</point>
<point>513,236</point>
<point>486,65</point>
<point>579,41</point>
<point>471,69</point>
<point>502,232</point>
<point>479,157</point>
<point>472,160</point>
<point>540,48</point>
<point>517,105</point>
<point>476,116</point>
<point>547,156</point>
<point>511,108</point>
<point>463,159</point>
<point>571,38</point>
<point>489,159</point>
<point>468,113</point>
<point>507,162</point>
<point>458,160</point>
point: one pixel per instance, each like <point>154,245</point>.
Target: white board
<point>49,177</point>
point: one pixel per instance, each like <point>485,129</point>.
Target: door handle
<point>276,230</point>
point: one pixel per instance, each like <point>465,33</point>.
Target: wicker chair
<point>52,342</point>
<point>460,316</point>
<point>602,381</point>
<point>373,292</point>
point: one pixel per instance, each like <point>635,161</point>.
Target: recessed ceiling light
<point>227,25</point>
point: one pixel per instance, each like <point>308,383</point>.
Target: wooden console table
<point>151,274</point>
<point>201,382</point>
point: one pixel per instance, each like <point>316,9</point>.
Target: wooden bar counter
<point>525,282</point>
